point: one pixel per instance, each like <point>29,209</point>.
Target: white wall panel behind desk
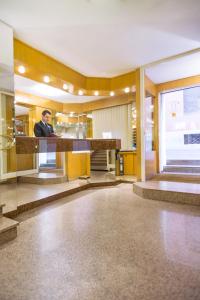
<point>113,122</point>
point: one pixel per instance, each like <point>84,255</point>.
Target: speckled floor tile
<point>106,244</point>
<point>13,195</point>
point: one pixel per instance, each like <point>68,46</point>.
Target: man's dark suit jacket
<point>42,130</point>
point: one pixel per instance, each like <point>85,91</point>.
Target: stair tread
<point>178,174</point>
<point>99,161</point>
<point>6,224</point>
<point>99,164</point>
<point>181,166</point>
<point>170,186</point>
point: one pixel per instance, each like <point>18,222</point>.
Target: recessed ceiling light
<point>65,86</point>
<point>21,69</point>
<point>112,93</point>
<point>46,79</point>
<point>80,92</point>
<point>71,89</point>
<point>127,90</point>
<point>96,93</point>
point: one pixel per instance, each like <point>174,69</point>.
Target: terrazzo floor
<point>104,244</point>
<point>14,195</point>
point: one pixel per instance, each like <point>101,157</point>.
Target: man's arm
<point>37,130</point>
<point>52,130</point>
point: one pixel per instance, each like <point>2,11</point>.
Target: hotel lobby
<point>99,150</point>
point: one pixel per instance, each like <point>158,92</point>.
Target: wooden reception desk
<point>28,145</point>
<point>76,152</point>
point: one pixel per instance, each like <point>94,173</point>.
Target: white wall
<point>116,122</point>
<point>6,58</point>
<point>6,84</point>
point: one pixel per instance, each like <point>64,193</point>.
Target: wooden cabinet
<point>130,162</point>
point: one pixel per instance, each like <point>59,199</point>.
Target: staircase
<point>99,160</point>
<point>182,166</point>
<point>178,177</point>
<point>8,227</point>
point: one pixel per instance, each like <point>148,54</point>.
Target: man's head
<point>46,115</point>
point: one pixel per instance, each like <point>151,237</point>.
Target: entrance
<point>180,127</point>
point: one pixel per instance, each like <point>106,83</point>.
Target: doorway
<point>180,128</point>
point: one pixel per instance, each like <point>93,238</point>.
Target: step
<point>8,229</point>
<point>179,162</point>
<point>48,165</point>
<point>94,162</point>
<point>99,167</point>
<point>1,209</point>
<point>99,161</point>
<point>178,177</point>
<point>99,157</point>
<point>181,169</point>
<point>176,192</point>
<point>43,178</point>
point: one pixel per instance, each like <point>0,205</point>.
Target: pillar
<point>140,134</point>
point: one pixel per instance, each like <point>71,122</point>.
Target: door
<point>150,154</point>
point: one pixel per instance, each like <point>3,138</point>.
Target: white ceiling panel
<point>105,38</point>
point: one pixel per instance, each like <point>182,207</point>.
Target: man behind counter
<point>43,128</point>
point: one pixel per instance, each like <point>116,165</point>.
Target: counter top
<point>127,151</point>
<point>28,145</point>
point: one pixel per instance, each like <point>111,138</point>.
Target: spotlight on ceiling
<point>46,79</point>
<point>80,92</point>
<point>65,86</point>
<point>21,69</point>
<point>127,90</point>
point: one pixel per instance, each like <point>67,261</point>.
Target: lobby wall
<point>7,146</point>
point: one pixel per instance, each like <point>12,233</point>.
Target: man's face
<point>46,118</point>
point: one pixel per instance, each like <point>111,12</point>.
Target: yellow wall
<point>130,163</point>
<point>180,83</point>
<point>38,64</point>
<point>29,100</point>
<point>77,164</point>
<point>108,102</point>
<point>25,162</point>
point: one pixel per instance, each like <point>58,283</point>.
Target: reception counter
<point>28,145</point>
<point>75,153</point>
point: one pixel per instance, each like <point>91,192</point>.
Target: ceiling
<point>105,38</point>
<point>182,67</point>
<point>29,86</point>
<point>21,110</point>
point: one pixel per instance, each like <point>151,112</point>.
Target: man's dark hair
<point>46,112</point>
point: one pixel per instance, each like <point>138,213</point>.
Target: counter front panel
<point>28,145</point>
